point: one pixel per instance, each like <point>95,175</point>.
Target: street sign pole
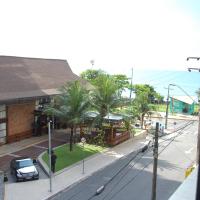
<point>83,140</point>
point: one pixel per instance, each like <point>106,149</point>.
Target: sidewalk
<point>39,190</point>
<point>16,146</point>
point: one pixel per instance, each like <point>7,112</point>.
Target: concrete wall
<point>1,185</point>
<point>20,119</point>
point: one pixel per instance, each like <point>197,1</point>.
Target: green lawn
<point>66,158</point>
<point>137,131</point>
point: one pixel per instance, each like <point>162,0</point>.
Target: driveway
<point>33,151</point>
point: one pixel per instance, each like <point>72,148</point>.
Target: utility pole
<point>198,139</point>
<point>49,151</point>
<point>167,108</point>
<point>155,163</point>
<point>131,83</point>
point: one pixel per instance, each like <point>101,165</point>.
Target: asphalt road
<point>177,152</point>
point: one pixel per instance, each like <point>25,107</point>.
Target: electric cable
<point>71,197</point>
<point>123,176</point>
<point>181,128</point>
<point>141,170</point>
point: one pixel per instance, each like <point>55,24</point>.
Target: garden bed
<point>66,158</point>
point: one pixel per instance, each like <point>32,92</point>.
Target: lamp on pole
<point>167,108</point>
<point>49,152</point>
<point>198,139</point>
<point>131,83</point>
<point>92,63</point>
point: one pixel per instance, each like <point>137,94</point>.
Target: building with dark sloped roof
<point>24,83</point>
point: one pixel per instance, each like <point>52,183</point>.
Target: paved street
<point>33,151</point>
<point>134,181</point>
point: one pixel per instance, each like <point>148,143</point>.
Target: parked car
<point>23,168</point>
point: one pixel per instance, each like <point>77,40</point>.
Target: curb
<point>45,167</point>
<point>140,150</point>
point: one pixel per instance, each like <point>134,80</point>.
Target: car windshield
<point>24,163</point>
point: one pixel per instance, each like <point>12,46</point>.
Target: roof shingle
<point>32,77</point>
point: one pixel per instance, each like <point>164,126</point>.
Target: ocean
<point>187,83</point>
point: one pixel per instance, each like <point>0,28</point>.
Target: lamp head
<point>172,84</point>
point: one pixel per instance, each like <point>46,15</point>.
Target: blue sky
<point>192,7</point>
<point>160,79</point>
<point>116,34</point>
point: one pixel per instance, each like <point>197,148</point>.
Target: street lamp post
<point>167,108</point>
<point>49,151</point>
<point>83,140</point>
<point>131,90</point>
<point>92,63</point>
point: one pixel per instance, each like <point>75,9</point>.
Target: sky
<point>117,34</point>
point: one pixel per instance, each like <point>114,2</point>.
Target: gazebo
<point>114,127</point>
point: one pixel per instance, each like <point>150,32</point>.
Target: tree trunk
<point>81,131</point>
<point>75,136</point>
<point>71,139</point>
<point>142,121</point>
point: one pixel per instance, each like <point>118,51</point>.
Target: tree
<point>152,95</point>
<point>159,98</point>
<point>122,82</point>
<point>105,96</point>
<point>91,75</point>
<point>142,106</point>
<point>70,106</point>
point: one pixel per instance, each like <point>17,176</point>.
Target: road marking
<point>189,151</point>
<point>15,155</point>
<point>40,147</point>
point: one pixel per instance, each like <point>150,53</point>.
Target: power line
<point>185,125</point>
<point>146,165</point>
<point>149,150</point>
<point>114,185</point>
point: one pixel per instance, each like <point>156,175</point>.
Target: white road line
<point>189,151</point>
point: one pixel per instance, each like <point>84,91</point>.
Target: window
<point>2,123</point>
<point>2,111</point>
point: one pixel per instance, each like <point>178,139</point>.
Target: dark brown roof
<point>32,77</point>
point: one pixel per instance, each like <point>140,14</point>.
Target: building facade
<point>181,104</point>
<point>25,84</point>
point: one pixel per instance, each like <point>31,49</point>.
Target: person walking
<point>53,161</point>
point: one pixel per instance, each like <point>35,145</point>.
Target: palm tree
<point>70,106</point>
<point>142,106</point>
<point>105,95</point>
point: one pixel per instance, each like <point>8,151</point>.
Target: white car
<point>23,168</point>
